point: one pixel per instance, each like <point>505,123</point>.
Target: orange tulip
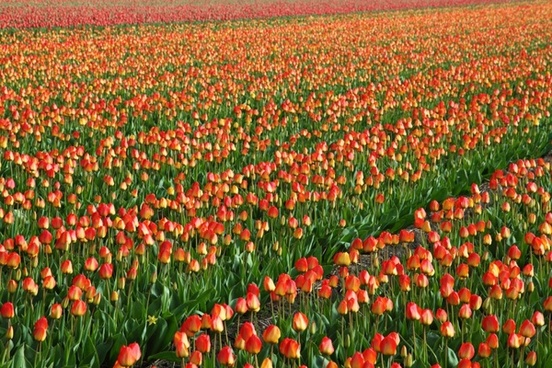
<point>40,330</point>
<point>129,355</point>
<point>226,357</point>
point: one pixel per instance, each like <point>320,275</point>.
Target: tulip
<point>465,312</point>
<point>253,302</point>
<point>66,267</point>
<point>531,358</point>
<point>490,323</point>
<point>253,344</point>
<point>56,311</point>
<point>484,350</point>
<point>226,357</point>
<point>191,325</point>
<point>447,329</point>
<point>106,271</point>
<point>538,319</point>
<point>527,329</point>
<point>129,355</point>
<point>342,259</point>
<point>515,340</point>
<point>9,333</point>
<point>78,308</point>
<point>388,345</point>
<point>290,348</point>
<point>413,312</point>
<point>271,334</point>
<point>7,310</point>
<point>466,351</point>
<point>509,327</point>
<point>300,322</point>
<point>40,329</point>
<point>196,358</point>
<point>241,306</point>
<point>326,346</point>
<point>181,344</point>
<point>203,343</point>
<point>441,315</point>
<point>427,317</point>
<point>266,363</point>
<point>492,341</point>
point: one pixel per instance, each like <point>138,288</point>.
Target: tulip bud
<point>9,333</point>
<point>408,361</point>
<point>531,358</point>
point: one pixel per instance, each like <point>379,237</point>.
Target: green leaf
<point>157,335</point>
<point>19,360</point>
<point>102,350</point>
<point>118,341</point>
<point>90,354</point>
<point>452,358</point>
<point>165,355</point>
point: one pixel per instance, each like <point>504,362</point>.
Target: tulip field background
<point>352,188</point>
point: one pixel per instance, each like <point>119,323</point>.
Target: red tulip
<point>388,346</point>
<point>527,329</point>
<point>253,344</point>
<point>490,323</point>
<point>203,343</point>
<point>40,329</point>
<point>191,325</point>
<point>492,341</point>
<point>226,357</point>
<point>7,310</point>
<point>196,358</point>
<point>56,311</point>
<point>515,340</point>
<point>447,329</point>
<point>413,312</point>
<point>509,327</point>
<point>129,355</point>
<point>290,348</point>
<point>427,317</point>
<point>531,358</point>
<point>465,312</point>
<point>538,319</point>
<point>484,350</point>
<point>466,351</point>
<point>78,308</point>
<point>326,346</point>
<point>106,271</point>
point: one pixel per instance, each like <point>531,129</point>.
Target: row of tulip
<point>74,13</point>
<point>468,285</point>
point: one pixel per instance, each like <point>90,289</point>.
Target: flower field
<point>353,190</point>
<point>64,13</point>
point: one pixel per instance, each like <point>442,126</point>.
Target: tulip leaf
<point>160,332</point>
<point>318,361</point>
<point>165,355</point>
<point>118,341</point>
<point>19,360</point>
<point>452,358</point>
<point>103,349</point>
<point>90,354</point>
<point>137,310</point>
